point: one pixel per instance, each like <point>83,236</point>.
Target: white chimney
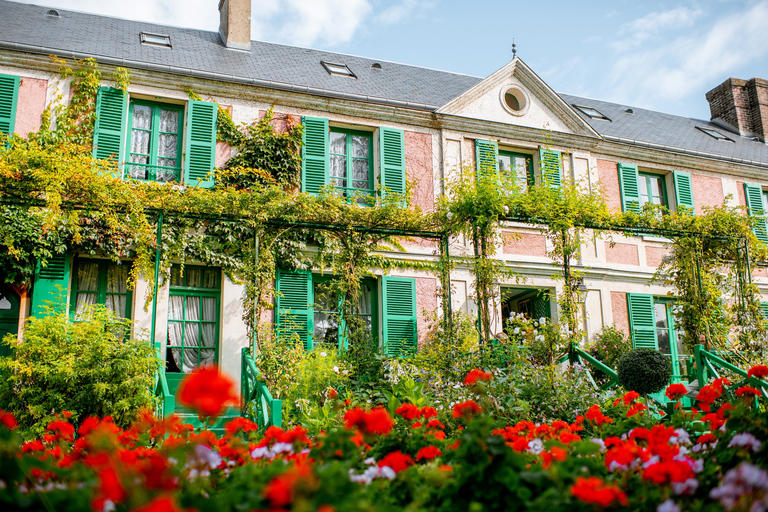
<point>235,24</point>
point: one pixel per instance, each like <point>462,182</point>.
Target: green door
<point>9,316</point>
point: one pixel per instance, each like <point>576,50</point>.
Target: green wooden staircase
<point>256,403</point>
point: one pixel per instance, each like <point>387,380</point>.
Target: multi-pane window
<point>351,162</point>
<point>669,337</point>
<point>101,282</point>
<point>652,189</point>
<point>154,141</point>
<point>193,318</point>
<point>326,312</point>
<point>517,166</point>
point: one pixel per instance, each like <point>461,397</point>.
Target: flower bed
<point>411,458</point>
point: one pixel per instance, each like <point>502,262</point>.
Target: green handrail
<point>707,365</point>
<point>257,402</point>
<point>577,355</point>
<point>166,404</point>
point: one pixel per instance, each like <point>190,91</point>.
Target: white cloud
<point>692,63</point>
<point>642,29</point>
<point>310,22</point>
<point>397,13</point>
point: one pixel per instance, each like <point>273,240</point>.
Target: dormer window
<point>592,113</point>
<point>714,134</point>
<point>337,69</point>
<point>155,39</point>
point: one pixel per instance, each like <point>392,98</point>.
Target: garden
<point>400,456</point>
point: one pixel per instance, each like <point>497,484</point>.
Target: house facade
<point>372,123</point>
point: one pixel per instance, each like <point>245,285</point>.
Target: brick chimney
<point>235,24</point>
<point>741,106</point>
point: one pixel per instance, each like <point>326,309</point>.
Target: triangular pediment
<point>533,103</point>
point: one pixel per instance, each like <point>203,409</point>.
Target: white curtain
<point>142,120</point>
<point>117,287</point>
<point>208,332</point>
<point>175,312</point>
<point>364,303</point>
<point>167,144</point>
<point>87,285</point>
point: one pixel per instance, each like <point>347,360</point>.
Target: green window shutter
<point>764,308</point>
<point>392,156</point>
<point>642,323</point>
<point>9,96</point>
<point>754,195</point>
<point>295,309</point>
<point>314,155</point>
<point>551,165</point>
<point>109,132</point>
<point>201,143</point>
<point>399,294</point>
<point>630,191</point>
<point>47,280</point>
<point>486,157</point>
<point>683,189</point>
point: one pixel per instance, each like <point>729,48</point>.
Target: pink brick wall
<point>426,302</point>
<point>223,153</point>
<point>418,169</point>
<point>608,177</point>
<point>528,244</point>
<point>625,254</point>
<point>620,312</point>
<point>707,191</point>
<point>654,255</point>
<point>30,106</point>
<point>280,121</point>
<point>759,272</point>
<point>740,192</point>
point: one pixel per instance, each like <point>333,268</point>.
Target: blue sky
<point>661,55</point>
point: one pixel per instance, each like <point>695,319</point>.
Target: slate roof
<point>26,27</point>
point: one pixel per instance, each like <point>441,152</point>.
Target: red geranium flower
<point>428,412</point>
<point>466,409</point>
<point>475,375</point>
<point>676,391</point>
<point>706,438</point>
<point>594,490</point>
<point>428,453</point>
<point>378,421</point>
<point>635,409</point>
<point>747,392</point>
<point>628,398</point>
<point>408,411</point>
<point>398,461</point>
<point>332,393</point>
<point>62,430</point>
<point>596,416</point>
<point>207,391</point>
<point>759,371</point>
<point>8,420</point>
<point>669,471</point>
<point>240,424</point>
<point>163,504</point>
<point>110,488</point>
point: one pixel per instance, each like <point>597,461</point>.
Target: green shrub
<point>299,377</point>
<point>644,371</point>
<point>84,367</point>
<point>609,345</point>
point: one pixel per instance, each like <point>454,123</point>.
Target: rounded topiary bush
<point>644,370</point>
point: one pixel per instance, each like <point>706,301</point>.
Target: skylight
<point>714,134</point>
<point>337,69</point>
<point>156,39</point>
<point>591,112</point>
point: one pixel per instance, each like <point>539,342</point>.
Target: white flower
<point>336,369</point>
<point>668,506</point>
<point>745,439</point>
<point>516,331</point>
<point>543,320</point>
<point>535,446</point>
<point>323,354</point>
<point>687,487</point>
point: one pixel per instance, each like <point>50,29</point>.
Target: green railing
<point>257,402</point>
<point>576,355</point>
<point>166,402</point>
<point>152,171</point>
<point>709,367</point>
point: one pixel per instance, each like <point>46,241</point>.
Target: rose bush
<point>618,456</point>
